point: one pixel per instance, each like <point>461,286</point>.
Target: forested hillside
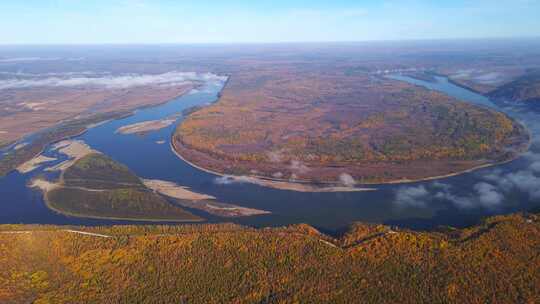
<point>496,262</point>
<point>525,89</point>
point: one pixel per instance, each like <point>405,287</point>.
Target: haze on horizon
<point>165,21</point>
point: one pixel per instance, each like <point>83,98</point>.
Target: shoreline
<point>301,186</point>
<point>70,214</point>
<point>68,137</point>
<point>392,182</point>
<point>291,185</point>
<point>267,182</point>
<point>120,115</point>
<point>80,215</point>
<point>50,186</point>
<point>186,197</point>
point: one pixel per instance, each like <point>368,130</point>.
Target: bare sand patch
<point>59,167</point>
<point>191,199</point>
<point>146,126</point>
<point>173,190</point>
<point>34,163</point>
<point>74,149</point>
<point>34,106</point>
<point>20,146</point>
<point>233,211</point>
<point>97,124</point>
<point>43,185</point>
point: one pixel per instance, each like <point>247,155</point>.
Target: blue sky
<point>220,21</point>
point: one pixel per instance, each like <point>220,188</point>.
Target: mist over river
<point>457,201</point>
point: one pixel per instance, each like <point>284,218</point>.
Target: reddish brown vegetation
<point>316,124</point>
<point>497,261</point>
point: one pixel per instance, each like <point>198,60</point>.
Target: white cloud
<point>298,166</point>
<point>484,195</point>
<point>124,81</point>
<point>489,193</point>
<point>26,59</point>
<point>347,180</point>
<point>461,202</point>
<point>411,196</point>
<point>229,180</point>
<point>525,181</point>
<point>488,196</point>
<point>535,167</point>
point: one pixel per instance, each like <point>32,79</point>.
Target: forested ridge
<point>494,262</point>
<point>524,89</point>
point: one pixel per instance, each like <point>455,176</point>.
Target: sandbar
<point>191,199</point>
<point>145,126</point>
<point>74,149</point>
<point>34,163</point>
<point>43,185</point>
<point>176,191</point>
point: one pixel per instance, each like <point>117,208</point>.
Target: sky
<point>232,21</point>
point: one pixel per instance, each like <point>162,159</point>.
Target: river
<point>457,201</point>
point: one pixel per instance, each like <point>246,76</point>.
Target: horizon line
<point>499,38</point>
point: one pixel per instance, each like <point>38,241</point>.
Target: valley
<point>295,134</point>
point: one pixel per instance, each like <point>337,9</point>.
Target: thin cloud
<point>32,59</point>
<point>535,167</point>
<point>525,181</point>
<point>27,59</point>
<point>347,180</point>
<point>488,196</point>
<point>298,166</point>
<point>124,81</point>
<point>461,202</point>
<point>489,192</point>
<point>484,195</point>
<point>229,180</point>
<point>412,196</point>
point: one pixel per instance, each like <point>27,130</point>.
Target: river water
<point>457,201</point>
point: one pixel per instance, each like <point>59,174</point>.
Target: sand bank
<point>191,199</point>
<point>176,191</point>
<point>34,163</point>
<point>43,185</point>
<point>74,149</point>
<point>146,126</point>
<point>20,146</point>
